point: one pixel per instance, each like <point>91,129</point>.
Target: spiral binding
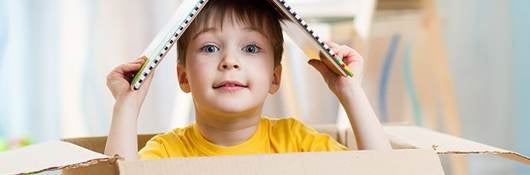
<point>327,50</point>
<point>166,45</point>
<point>163,48</point>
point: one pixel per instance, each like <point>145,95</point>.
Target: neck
<point>227,130</point>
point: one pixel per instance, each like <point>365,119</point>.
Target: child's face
<point>229,70</point>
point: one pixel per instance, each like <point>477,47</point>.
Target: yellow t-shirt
<point>272,136</point>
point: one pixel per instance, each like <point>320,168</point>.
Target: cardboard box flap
<point>47,156</point>
<point>417,137</point>
<point>396,162</point>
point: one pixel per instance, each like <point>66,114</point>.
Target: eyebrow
<point>213,29</point>
<point>203,31</point>
<point>253,29</point>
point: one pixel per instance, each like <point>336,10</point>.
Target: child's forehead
<point>217,22</point>
<point>240,29</point>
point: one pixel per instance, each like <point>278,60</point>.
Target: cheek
<point>261,72</point>
<point>200,74</point>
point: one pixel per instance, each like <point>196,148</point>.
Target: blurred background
<point>459,67</point>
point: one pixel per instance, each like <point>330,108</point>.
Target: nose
<point>228,66</point>
<point>229,63</point>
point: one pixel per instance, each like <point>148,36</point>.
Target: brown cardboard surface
<point>395,162</point>
<point>97,144</point>
<point>349,139</point>
<point>52,155</point>
<point>417,137</point>
<point>413,142</point>
<point>99,168</point>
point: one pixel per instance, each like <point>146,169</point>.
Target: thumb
<point>320,67</point>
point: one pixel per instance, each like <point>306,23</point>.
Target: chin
<point>233,106</point>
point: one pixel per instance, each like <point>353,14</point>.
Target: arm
<point>122,139</point>
<point>367,129</point>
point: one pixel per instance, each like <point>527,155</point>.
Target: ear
<point>183,78</point>
<point>276,79</point>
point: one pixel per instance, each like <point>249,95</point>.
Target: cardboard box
<point>416,153</point>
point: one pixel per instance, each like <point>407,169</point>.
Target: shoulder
<point>176,134</point>
<point>287,123</point>
<point>293,127</point>
<point>162,145</point>
<point>305,137</point>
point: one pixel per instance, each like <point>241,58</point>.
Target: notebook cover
<point>292,24</point>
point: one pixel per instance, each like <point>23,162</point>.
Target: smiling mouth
<point>230,85</point>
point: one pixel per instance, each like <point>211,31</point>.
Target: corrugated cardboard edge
<point>87,163</point>
<point>403,136</point>
<point>49,156</point>
<point>515,156</point>
<point>100,168</point>
<point>398,162</point>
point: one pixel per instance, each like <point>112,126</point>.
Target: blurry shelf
<point>327,9</point>
<point>398,4</point>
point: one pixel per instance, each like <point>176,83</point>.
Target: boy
<point>229,60</point>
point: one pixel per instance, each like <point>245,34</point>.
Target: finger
<point>326,61</point>
<point>336,48</point>
<point>141,59</point>
<point>346,53</point>
<point>321,55</point>
<point>128,67</point>
<point>341,51</point>
<point>353,57</point>
<point>321,67</point>
<point>125,71</point>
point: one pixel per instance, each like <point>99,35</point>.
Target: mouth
<point>229,85</point>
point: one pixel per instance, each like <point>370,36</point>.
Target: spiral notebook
<point>293,25</point>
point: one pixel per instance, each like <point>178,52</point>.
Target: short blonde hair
<point>259,14</point>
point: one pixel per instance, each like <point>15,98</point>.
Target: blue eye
<point>252,48</point>
<point>209,48</point>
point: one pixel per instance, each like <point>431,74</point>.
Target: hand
<point>341,86</point>
<point>118,82</point>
